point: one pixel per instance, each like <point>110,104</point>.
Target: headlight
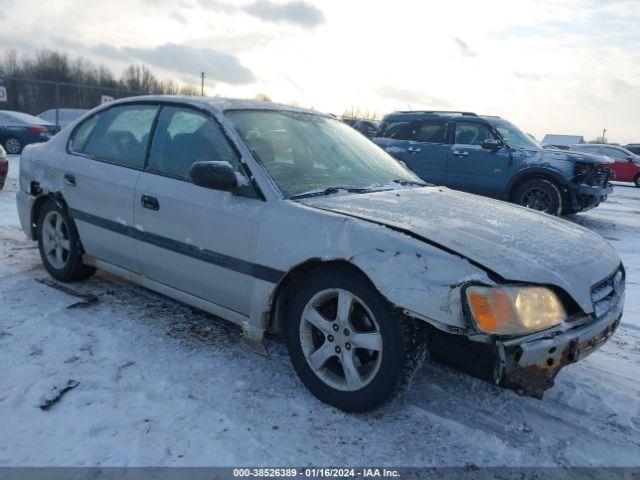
<point>514,310</point>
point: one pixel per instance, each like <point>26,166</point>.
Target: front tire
<point>59,244</point>
<point>637,181</point>
<point>13,145</point>
<point>345,342</point>
<point>540,194</point>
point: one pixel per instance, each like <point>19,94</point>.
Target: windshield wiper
<point>329,191</point>
<point>403,182</point>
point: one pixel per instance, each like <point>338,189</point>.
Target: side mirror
<point>215,175</point>
<point>629,159</point>
<point>489,144</point>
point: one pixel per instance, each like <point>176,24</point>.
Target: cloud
<point>464,48</point>
<point>219,6</point>
<point>414,97</point>
<point>178,17</point>
<point>297,12</point>
<point>185,60</point>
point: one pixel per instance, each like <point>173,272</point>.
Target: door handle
<point>459,153</point>
<point>413,149</point>
<point>70,179</point>
<point>150,202</point>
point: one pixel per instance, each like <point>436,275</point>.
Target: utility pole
<point>604,132</point>
<point>202,76</point>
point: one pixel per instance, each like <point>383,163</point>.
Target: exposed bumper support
<point>529,366</point>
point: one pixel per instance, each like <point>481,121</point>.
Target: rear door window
<point>183,137</point>
<point>119,135</point>
<point>394,129</point>
<point>428,131</point>
<point>473,133</point>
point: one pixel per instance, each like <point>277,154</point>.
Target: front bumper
<point>529,365</point>
<point>584,197</point>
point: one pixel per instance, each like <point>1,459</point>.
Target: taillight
<point>38,130</point>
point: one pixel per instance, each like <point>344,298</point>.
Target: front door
<point>624,169</point>
<point>106,157</point>
<point>195,239</point>
<point>472,168</point>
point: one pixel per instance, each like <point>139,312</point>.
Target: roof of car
<point>423,113</point>
<point>25,117</point>
<point>218,105</point>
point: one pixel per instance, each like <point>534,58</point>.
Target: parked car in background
<point>489,156</point>
<point>365,126</point>
<point>19,129</point>
<point>626,166</point>
<point>561,141</point>
<point>64,116</point>
<point>633,147</point>
<point>286,220</point>
<point>4,167</point>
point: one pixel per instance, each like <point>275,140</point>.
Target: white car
<point>286,220</point>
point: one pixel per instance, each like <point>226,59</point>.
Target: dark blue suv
<point>492,157</point>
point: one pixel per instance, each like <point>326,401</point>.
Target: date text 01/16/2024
<point>315,472</point>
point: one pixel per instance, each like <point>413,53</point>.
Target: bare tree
<point>263,97</point>
<point>26,95</point>
<point>358,112</point>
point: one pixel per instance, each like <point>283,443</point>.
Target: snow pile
<point>161,384</point>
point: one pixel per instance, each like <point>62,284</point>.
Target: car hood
<point>516,243</point>
<point>574,156</point>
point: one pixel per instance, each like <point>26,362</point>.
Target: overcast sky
<point>562,66</point>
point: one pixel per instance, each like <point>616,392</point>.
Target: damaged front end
<point>529,364</point>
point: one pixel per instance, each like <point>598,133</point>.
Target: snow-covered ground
<point>160,384</point>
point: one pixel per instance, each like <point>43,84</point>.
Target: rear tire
<point>355,357</point>
<point>59,244</point>
<point>13,145</point>
<point>540,194</point>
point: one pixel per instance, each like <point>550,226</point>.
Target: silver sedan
<point>286,220</point>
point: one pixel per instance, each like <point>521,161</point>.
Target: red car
<point>626,164</point>
<point>4,167</point>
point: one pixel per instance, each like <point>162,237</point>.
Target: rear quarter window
<point>394,129</point>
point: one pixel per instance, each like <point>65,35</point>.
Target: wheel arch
<point>276,316</point>
<point>37,207</point>
<point>534,173</point>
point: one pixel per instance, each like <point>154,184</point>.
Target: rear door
<point>423,146</point>
<point>106,155</point>
<point>195,239</point>
<point>472,168</point>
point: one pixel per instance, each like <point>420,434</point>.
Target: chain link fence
<point>37,96</point>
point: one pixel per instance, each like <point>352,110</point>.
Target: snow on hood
<point>518,244</point>
<point>582,157</point>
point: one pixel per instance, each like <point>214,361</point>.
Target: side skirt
<point>255,342</point>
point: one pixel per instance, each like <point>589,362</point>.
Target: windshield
<point>515,137</point>
<point>306,152</point>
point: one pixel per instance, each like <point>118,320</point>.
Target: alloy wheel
<point>341,339</point>
<point>537,199</point>
<point>55,240</point>
<point>13,146</point>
